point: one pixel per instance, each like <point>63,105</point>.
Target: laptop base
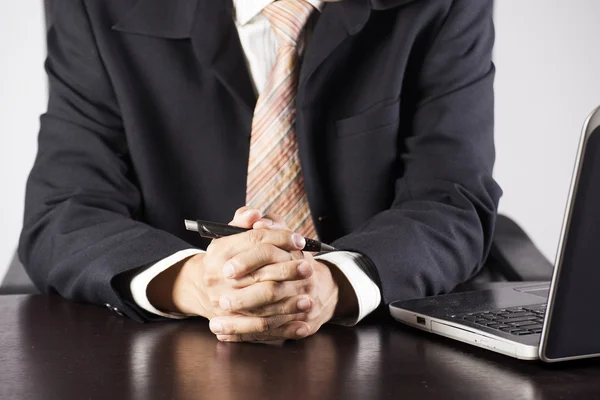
<point>439,315</point>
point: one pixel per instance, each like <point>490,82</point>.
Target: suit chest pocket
<point>380,118</point>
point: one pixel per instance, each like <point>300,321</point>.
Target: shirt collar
<point>246,10</point>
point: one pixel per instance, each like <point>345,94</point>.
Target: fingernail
<point>216,327</point>
<point>263,224</point>
<point>304,270</point>
<point>224,303</point>
<point>299,241</point>
<point>301,332</point>
<point>228,270</point>
<point>303,305</point>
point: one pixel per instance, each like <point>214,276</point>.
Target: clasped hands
<point>255,286</point>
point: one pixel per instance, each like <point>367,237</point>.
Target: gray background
<point>547,60</point>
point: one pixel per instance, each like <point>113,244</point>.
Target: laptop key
<point>522,333</point>
<point>520,319</point>
<point>539,308</point>
<point>522,314</point>
<point>499,326</point>
<point>521,324</point>
<point>532,327</point>
<point>490,316</point>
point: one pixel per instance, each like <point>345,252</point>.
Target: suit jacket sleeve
<point>81,226</point>
<point>438,230</point>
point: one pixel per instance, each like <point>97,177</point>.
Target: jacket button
<point>322,218</point>
<point>115,309</point>
<point>108,306</point>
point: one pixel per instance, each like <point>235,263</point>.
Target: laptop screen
<point>575,316</point>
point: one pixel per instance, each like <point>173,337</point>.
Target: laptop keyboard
<point>517,321</point>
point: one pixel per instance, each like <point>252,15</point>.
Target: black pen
<point>215,230</point>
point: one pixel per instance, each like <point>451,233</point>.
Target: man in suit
<point>364,123</point>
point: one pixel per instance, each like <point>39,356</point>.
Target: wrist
<point>347,303</point>
<point>174,290</point>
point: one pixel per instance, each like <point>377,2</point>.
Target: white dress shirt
<point>259,44</point>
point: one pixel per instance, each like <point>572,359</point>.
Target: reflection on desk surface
<point>52,349</point>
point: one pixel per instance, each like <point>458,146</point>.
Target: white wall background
<point>22,100</point>
<point>547,82</point>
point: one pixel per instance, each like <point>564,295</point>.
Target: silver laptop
<point>553,322</point>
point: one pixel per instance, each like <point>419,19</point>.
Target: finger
<point>261,294</point>
<point>290,305</point>
<point>292,330</point>
<point>254,258</point>
<point>251,260</point>
<point>240,324</point>
<point>230,246</point>
<point>293,270</point>
<point>271,221</point>
<point>245,217</point>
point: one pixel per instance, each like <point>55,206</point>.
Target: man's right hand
<point>197,284</point>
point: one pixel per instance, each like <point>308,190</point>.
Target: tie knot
<point>287,18</point>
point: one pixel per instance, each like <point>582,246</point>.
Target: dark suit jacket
<point>149,121</point>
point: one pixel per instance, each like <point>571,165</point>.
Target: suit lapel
<point>210,26</point>
<point>339,21</point>
<point>217,45</point>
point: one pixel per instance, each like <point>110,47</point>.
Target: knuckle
<point>286,308</point>
<point>265,252</point>
<point>231,330</point>
<point>297,255</point>
<point>284,272</point>
<point>305,287</point>
<point>255,337</point>
<point>270,291</point>
<point>258,311</point>
<point>301,317</point>
<point>263,325</point>
<point>210,280</point>
<point>256,236</point>
<point>214,301</point>
<point>217,312</point>
<point>255,276</point>
<point>285,239</point>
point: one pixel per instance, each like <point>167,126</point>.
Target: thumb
<point>245,217</point>
<point>272,221</point>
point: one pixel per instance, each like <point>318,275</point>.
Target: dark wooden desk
<point>52,349</point>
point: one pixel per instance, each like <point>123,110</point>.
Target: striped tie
<point>275,183</point>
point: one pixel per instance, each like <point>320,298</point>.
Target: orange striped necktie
<point>275,183</point>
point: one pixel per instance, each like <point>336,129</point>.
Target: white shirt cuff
<point>139,284</point>
<point>367,292</point>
